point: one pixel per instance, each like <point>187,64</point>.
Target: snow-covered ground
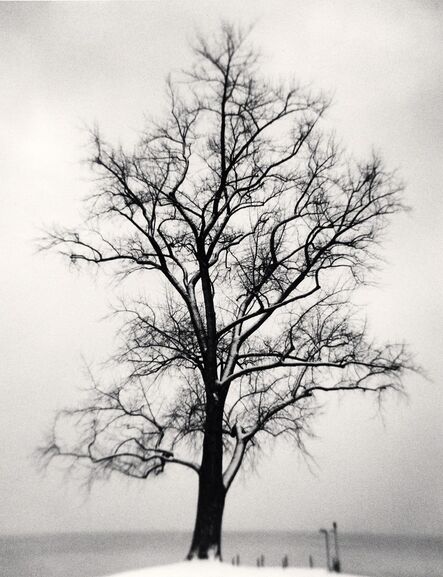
<point>215,569</point>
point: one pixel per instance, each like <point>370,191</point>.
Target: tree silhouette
<point>259,228</point>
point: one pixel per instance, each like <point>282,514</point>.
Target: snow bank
<point>216,569</point>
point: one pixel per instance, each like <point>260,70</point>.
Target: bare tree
<point>259,228</point>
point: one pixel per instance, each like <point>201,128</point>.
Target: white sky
<point>64,65</point>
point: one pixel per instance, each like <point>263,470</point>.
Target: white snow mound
<point>217,569</point>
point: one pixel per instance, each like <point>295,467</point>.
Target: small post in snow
<point>285,562</point>
<point>336,565</point>
<point>311,561</point>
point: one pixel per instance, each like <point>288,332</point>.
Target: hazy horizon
<point>187,532</point>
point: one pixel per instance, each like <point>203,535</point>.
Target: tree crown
<point>260,228</point>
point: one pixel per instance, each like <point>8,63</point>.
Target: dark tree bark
<point>206,539</point>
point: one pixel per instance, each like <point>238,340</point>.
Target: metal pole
<point>336,565</point>
<point>328,562</point>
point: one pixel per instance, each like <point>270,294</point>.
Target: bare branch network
<point>260,228</point>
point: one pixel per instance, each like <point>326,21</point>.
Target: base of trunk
<point>211,554</point>
<point>206,540</point>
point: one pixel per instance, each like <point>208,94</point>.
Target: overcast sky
<point>67,65</point>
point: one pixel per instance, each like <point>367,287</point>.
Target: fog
<point>68,65</point>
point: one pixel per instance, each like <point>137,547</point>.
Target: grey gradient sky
<point>65,65</point>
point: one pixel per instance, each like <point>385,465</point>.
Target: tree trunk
<point>206,540</point>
